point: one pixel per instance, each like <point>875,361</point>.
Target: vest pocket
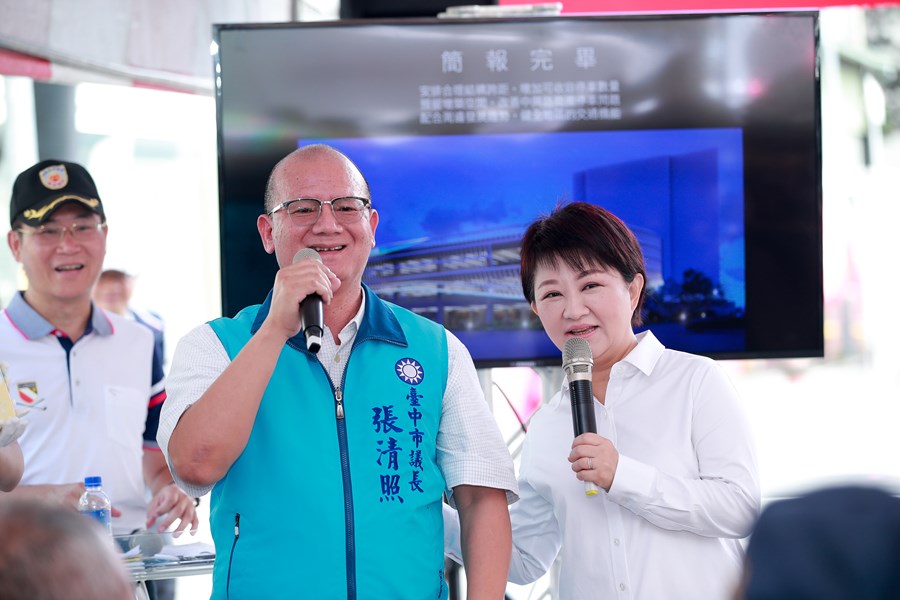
<point>237,534</point>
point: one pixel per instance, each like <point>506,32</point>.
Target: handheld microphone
<point>578,364</point>
<point>312,319</point>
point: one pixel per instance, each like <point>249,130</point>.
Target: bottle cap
<point>93,481</point>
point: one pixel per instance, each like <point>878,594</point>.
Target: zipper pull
<point>338,397</point>
<point>237,525</point>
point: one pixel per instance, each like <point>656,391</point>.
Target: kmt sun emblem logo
<point>410,371</point>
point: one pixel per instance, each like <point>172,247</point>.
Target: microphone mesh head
<point>304,253</point>
<point>577,350</point>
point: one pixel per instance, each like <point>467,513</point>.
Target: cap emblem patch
<point>54,177</point>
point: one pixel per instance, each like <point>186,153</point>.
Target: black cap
<point>41,189</point>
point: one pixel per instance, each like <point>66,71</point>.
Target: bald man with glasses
<point>328,464</point>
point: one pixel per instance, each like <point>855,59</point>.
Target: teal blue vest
<point>318,506</point>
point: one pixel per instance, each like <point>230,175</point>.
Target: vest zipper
<point>339,401</point>
<point>349,524</point>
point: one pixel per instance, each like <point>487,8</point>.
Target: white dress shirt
<point>684,493</point>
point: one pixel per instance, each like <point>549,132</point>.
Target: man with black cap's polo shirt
<point>91,379</point>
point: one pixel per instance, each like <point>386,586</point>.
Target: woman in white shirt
<point>672,456</point>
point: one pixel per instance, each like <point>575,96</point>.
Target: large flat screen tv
<point>700,131</point>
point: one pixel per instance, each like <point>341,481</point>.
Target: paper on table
<point>7,408</point>
<point>191,550</point>
<point>175,553</point>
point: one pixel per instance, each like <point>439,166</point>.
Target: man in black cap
<point>12,465</point>
<point>91,379</point>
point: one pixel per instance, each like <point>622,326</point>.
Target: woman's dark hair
<point>581,235</point>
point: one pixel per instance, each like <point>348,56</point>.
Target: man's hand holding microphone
<point>299,293</point>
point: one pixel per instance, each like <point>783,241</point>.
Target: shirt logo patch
<point>410,371</point>
<point>54,177</point>
<point>28,392</point>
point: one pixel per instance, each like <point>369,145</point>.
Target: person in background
<point>113,292</point>
<point>673,456</point>
<point>829,544</point>
<point>50,553</point>
<point>352,448</point>
<point>91,379</point>
<point>12,426</point>
<point>12,465</point>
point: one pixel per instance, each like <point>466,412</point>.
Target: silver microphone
<point>578,362</point>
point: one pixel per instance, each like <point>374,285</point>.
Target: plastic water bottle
<point>95,503</point>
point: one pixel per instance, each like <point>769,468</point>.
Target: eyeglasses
<point>51,235</point>
<point>306,211</point>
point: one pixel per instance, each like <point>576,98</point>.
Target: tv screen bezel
<point>783,250</point>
